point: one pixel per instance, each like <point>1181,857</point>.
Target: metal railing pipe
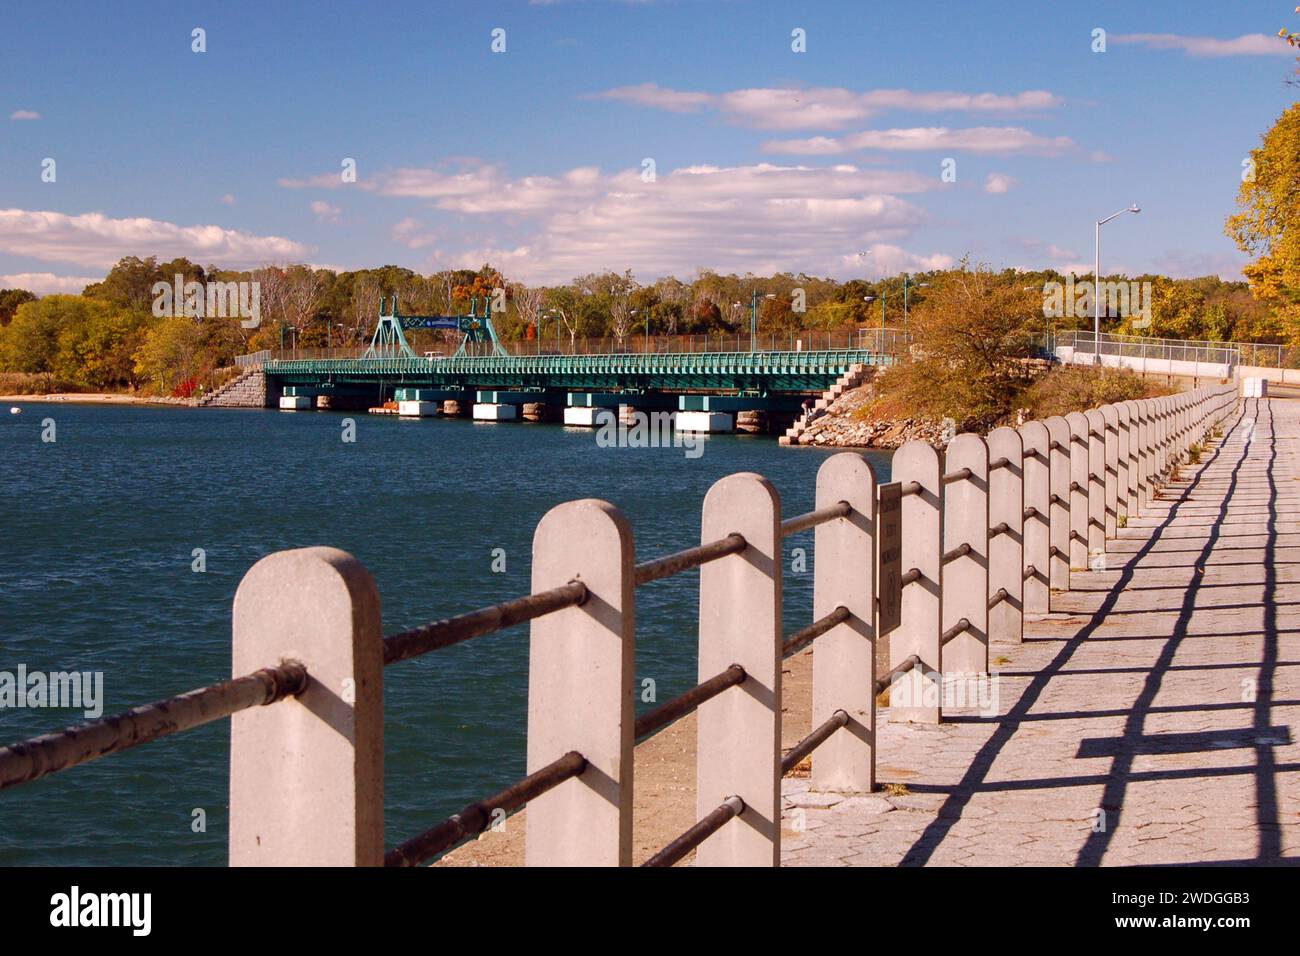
<point>683,704</point>
<point>733,806</point>
<point>671,564</point>
<point>39,756</point>
<point>477,816</point>
<point>841,509</point>
<point>815,739</point>
<point>420,640</point>
<point>805,636</point>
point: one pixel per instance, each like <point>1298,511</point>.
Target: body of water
<point>97,536</point>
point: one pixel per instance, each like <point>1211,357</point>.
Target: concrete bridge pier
<point>295,398</point>
<point>752,422</point>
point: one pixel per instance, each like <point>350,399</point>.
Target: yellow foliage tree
<point>1268,225</point>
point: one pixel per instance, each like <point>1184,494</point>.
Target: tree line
<point>108,337</point>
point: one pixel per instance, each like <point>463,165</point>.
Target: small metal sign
<point>889,545</point>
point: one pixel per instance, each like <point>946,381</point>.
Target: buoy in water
<point>15,410</point>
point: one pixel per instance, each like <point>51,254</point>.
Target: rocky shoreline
<point>847,424</point>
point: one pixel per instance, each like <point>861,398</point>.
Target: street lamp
<point>753,316</point>
<point>907,282</point>
<point>1096,283</point>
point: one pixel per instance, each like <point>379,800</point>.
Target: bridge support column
<point>413,409</point>
<point>492,412</point>
<point>703,422</point>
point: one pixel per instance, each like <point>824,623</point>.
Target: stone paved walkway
<point>1163,692</point>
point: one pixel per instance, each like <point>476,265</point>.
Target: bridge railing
<point>882,341</point>
<point>950,555</point>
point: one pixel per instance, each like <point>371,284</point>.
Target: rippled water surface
<point>97,532</point>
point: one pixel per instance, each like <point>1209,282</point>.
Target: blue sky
<point>534,158</point>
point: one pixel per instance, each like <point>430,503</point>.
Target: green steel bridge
<point>775,378</point>
<point>755,373</point>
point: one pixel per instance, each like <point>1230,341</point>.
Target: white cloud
<point>789,108</point>
<point>1249,44</point>
<point>45,283</point>
<point>979,139</point>
<point>998,183</point>
<point>882,260</point>
<point>410,232</point>
<point>760,218</point>
<point>324,212</point>
<point>93,239</point>
<point>24,115</point>
<point>1183,264</point>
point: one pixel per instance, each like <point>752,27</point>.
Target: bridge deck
<point>759,371</point>
<point>1134,696</point>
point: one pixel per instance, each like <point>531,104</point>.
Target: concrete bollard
<point>1059,520</point>
<point>581,674</point>
<point>1096,483</point>
<point>738,752</point>
<point>965,592</point>
<point>307,773</point>
<point>915,696</point>
<point>1037,541</point>
<point>844,658</point>
<point>1124,472</point>
<point>1145,455</point>
<point>1078,497</point>
<point>1006,544</point>
<point>1110,473</point>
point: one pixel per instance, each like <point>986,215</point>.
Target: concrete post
<point>1058,430</point>
<point>1124,470</point>
<point>1037,542</point>
<point>1146,457</point>
<point>581,677</point>
<point>1006,545</point>
<point>307,773</point>
<point>844,658</point>
<point>1162,440</point>
<point>1078,423</point>
<point>739,745</point>
<point>1111,474</point>
<point>966,579</point>
<point>1096,482</point>
<point>916,696</point>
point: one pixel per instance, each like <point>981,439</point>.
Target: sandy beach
<point>91,398</point>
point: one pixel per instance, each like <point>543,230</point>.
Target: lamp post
<point>753,316</point>
<point>1096,283</point>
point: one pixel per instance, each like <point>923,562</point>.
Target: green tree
<point>170,353</point>
<point>10,300</point>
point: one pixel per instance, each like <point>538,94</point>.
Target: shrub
<point>1072,388</point>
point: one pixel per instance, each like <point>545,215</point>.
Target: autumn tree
<point>1268,223</point>
<point>971,337</point>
